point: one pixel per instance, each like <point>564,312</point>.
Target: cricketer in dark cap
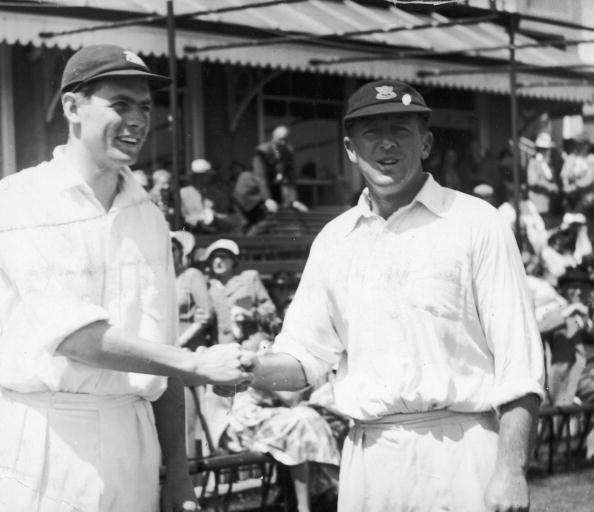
<point>89,336</point>
<point>418,296</point>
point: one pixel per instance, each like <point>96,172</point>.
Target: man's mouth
<point>388,161</point>
<point>129,141</point>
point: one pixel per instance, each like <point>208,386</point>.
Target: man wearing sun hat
<point>91,395</point>
<point>540,174</point>
<point>418,295</point>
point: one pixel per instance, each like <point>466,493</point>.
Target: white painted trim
<point>7,136</point>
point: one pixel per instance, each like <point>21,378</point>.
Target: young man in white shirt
<point>88,314</point>
<point>418,294</point>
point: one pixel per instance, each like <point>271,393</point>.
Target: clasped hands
<point>227,366</point>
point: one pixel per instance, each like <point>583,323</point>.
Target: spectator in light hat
<point>542,183</point>
<point>485,192</point>
<point>199,200</point>
<point>418,296</point>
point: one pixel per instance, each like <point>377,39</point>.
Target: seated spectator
<point>241,303</point>
<point>542,185</point>
<point>282,289</point>
<point>198,204</point>
<point>194,305</point>
<point>530,220</point>
<point>281,425</point>
<point>564,348</point>
<point>558,254</point>
<point>161,193</point>
<point>255,212</point>
<point>273,166</point>
<point>577,174</point>
<point>142,178</point>
<point>195,317</point>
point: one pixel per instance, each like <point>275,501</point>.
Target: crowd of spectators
<point>243,203</point>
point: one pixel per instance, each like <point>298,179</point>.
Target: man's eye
<point>120,105</point>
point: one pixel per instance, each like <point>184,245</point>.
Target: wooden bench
<point>562,433</point>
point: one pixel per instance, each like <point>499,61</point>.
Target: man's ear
<point>350,149</point>
<point>427,145</point>
<point>70,106</point>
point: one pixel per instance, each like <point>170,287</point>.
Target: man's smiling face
<point>115,119</point>
<point>388,150</point>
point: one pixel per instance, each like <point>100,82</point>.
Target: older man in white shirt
<point>88,314</point>
<point>418,294</point>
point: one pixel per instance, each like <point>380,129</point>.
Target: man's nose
<point>387,142</point>
<point>137,119</point>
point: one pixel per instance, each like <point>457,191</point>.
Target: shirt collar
<point>66,176</point>
<point>432,196</point>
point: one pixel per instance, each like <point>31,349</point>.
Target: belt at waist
<point>423,419</point>
<point>61,400</point>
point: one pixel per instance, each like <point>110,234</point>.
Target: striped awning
<point>322,22</point>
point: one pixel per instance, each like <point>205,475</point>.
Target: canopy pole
<point>173,114</point>
<point>513,25</point>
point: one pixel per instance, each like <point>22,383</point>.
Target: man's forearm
<point>516,429</point>
<point>169,412</point>
<point>104,346</point>
<point>279,372</point>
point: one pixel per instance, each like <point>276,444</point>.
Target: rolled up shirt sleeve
<point>506,313</point>
<point>33,323</point>
<point>309,332</point>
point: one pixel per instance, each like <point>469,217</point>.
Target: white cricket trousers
<point>425,462</point>
<point>65,452</point>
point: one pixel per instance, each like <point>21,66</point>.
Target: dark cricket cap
<point>385,97</point>
<point>106,60</point>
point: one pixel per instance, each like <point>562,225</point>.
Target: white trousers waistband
<point>423,419</point>
<point>61,400</point>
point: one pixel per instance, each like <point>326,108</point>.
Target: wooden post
<point>513,25</point>
<point>173,114</point>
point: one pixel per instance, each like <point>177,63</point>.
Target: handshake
<point>229,367</point>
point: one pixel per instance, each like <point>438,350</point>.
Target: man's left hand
<point>507,492</point>
<point>178,495</point>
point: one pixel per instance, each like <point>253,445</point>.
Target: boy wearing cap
<point>418,294</point>
<point>88,314</point>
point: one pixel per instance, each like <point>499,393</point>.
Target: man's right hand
<point>220,364</point>
<point>249,362</point>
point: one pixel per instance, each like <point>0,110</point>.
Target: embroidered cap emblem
<point>385,92</point>
<point>133,58</point>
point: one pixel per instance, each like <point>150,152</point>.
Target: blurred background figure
<point>199,197</point>
<point>273,165</point>
<point>249,200</point>
<point>142,178</point>
<point>450,172</point>
<point>282,289</point>
<point>485,192</point>
<point>196,316</point>
<point>161,193</point>
<point>531,222</point>
<point>542,185</point>
<point>577,174</point>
